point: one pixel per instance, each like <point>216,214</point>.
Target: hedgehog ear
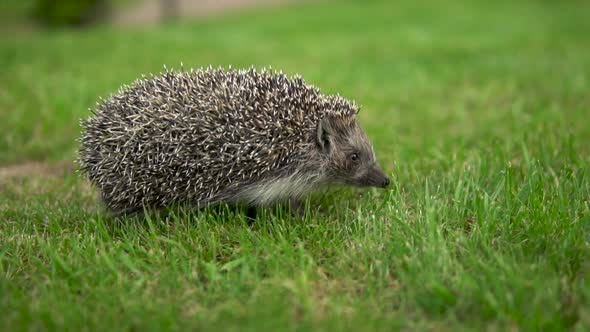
<point>324,131</point>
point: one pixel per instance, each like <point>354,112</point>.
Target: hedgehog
<point>211,136</point>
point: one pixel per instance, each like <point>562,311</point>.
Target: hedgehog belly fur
<point>280,189</point>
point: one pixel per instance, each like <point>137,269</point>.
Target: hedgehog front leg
<point>251,213</point>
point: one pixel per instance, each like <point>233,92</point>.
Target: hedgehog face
<point>349,153</point>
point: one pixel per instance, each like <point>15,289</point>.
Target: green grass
<point>479,112</point>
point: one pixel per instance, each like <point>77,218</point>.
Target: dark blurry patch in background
<point>69,12</point>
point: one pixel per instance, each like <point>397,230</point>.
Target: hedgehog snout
<point>381,181</point>
<point>374,177</point>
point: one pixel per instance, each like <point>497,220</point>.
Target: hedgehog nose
<point>385,183</point>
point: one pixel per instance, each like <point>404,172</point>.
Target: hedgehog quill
<point>246,137</point>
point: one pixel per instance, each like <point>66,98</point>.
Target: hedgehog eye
<point>354,156</point>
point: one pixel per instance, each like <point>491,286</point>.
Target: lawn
<point>479,111</point>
